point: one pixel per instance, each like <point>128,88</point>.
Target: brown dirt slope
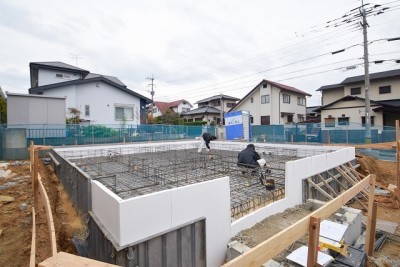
<point>16,217</point>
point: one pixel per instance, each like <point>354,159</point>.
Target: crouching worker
<point>206,138</point>
<point>250,158</point>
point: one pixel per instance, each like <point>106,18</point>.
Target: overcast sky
<point>196,49</point>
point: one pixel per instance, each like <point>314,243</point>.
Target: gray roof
<point>331,86</point>
<point>373,76</point>
<point>100,78</point>
<point>218,97</point>
<point>111,78</point>
<point>58,65</point>
<point>202,110</point>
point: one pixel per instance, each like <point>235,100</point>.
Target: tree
<point>73,116</point>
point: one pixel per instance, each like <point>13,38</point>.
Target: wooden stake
<point>313,241</point>
<point>32,262</point>
<point>35,177</point>
<point>371,222</point>
<point>398,154</point>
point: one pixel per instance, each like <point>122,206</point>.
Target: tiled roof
<point>227,97</point>
<point>57,64</point>
<point>202,110</point>
<point>373,76</point>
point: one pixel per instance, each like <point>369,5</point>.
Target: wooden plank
<point>35,177</point>
<point>345,188</point>
<point>398,153</point>
<point>32,261</point>
<point>313,241</point>
<point>371,224</point>
<point>49,215</point>
<point>63,259</point>
<point>351,181</point>
<point>263,252</point>
<point>327,185</point>
<point>319,189</point>
<point>40,148</point>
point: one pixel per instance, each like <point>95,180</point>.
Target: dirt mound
<point>16,217</point>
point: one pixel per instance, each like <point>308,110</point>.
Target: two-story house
<point>211,109</point>
<point>344,103</point>
<point>178,106</point>
<point>274,103</point>
<point>100,99</point>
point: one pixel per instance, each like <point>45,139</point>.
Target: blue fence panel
<point>268,133</point>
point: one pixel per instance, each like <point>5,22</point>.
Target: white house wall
<point>47,76</point>
<point>102,98</point>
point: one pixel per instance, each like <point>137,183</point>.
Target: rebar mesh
<point>135,171</point>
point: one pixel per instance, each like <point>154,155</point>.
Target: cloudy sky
<point>196,49</point>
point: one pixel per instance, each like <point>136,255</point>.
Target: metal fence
<point>14,139</point>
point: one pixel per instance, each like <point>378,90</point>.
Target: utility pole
<point>366,77</point>
<point>222,109</point>
<point>152,93</point>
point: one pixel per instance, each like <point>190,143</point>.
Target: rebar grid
<point>134,171</point>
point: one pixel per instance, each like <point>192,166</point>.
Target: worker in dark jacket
<point>205,141</point>
<point>249,157</point>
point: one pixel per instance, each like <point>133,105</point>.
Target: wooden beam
<point>275,244</point>
<point>313,241</point>
<point>49,215</point>
<point>327,185</point>
<point>371,223</point>
<point>63,259</point>
<point>39,148</point>
<point>345,188</point>
<point>35,177</point>
<point>319,189</point>
<point>398,154</point>
<point>350,181</point>
<point>32,262</point>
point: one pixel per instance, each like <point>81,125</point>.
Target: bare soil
<point>16,216</point>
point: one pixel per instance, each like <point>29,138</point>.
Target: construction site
<point>165,204</point>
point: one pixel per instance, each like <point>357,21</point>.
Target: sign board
<point>237,125</point>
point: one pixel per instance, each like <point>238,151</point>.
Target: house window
<point>251,100</point>
<point>264,99</point>
<point>198,119</point>
<point>355,91</point>
<point>286,98</point>
<point>372,120</point>
<point>329,122</point>
<point>385,89</point>
<point>185,109</point>
<point>343,121</point>
<point>123,113</point>
<point>230,105</point>
<point>217,103</point>
<point>87,110</point>
<point>301,101</point>
<point>265,85</point>
<point>155,110</point>
<point>265,120</point>
<point>59,75</point>
<point>300,118</point>
<point>251,119</point>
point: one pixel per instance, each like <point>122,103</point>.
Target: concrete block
<point>235,249</point>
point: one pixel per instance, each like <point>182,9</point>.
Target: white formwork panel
<point>336,158</point>
<point>318,164</point>
<point>144,216</point>
<point>154,214</point>
<point>105,205</point>
<point>351,153</point>
<point>209,200</point>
